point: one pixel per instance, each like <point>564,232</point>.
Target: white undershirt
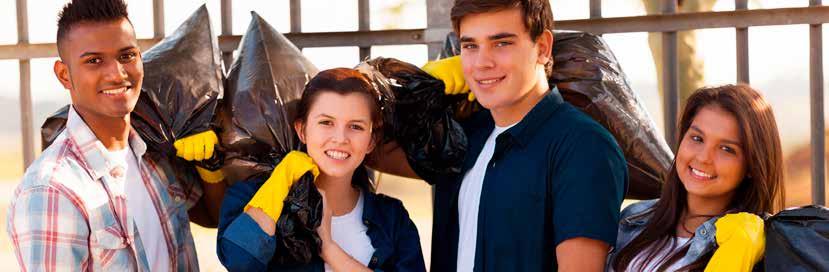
<point>659,257</point>
<point>142,210</point>
<point>349,232</point>
<point>469,199</point>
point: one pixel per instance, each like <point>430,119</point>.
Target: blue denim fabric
<point>636,216</point>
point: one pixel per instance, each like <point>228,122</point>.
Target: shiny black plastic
<point>798,240</point>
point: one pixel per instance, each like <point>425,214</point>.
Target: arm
<point>48,231</point>
<point>581,254</point>
<point>741,240</point>
<point>330,252</point>
<point>199,147</point>
<point>242,245</point>
<point>390,158</point>
<point>588,182</point>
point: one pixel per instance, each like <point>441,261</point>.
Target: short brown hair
<point>537,14</point>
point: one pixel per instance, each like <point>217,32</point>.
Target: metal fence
<point>438,25</point>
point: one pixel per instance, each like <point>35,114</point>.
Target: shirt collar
<point>525,129</point>
<point>92,151</point>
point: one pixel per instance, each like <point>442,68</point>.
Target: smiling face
<point>337,132</point>
<point>501,63</point>
<point>101,67</point>
<point>710,160</point>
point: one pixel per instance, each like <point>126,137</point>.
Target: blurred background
<point>779,68</point>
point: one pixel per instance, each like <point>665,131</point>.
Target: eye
<point>94,61</point>
<point>127,57</point>
<point>468,46</point>
<point>326,123</point>
<point>728,149</point>
<point>696,139</point>
<point>502,43</point>
<point>357,127</point>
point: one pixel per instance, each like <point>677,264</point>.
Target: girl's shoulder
<point>638,211</point>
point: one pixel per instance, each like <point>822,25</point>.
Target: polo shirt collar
<point>522,132</point>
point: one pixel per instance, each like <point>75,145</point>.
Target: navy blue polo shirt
<point>555,175</point>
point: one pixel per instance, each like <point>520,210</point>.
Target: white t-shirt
<point>349,232</point>
<point>659,257</point>
<point>469,199</point>
<point>142,210</point>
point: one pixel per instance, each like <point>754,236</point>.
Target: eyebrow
<point>99,53</point>
<point>502,35</point>
<point>323,115</point>
<point>727,141</point>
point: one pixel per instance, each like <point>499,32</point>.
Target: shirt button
<point>702,231</point>
<point>178,199</point>
<point>373,261</point>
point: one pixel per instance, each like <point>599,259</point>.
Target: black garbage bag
<point>182,82</point>
<point>264,86</point>
<point>589,77</point>
<point>421,120</point>
<point>798,240</point>
<point>296,229</point>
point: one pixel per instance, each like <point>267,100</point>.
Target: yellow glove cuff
<point>270,198</point>
<point>210,176</point>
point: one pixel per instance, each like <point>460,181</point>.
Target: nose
<point>339,135</point>
<point>706,154</point>
<point>483,60</point>
<point>115,72</point>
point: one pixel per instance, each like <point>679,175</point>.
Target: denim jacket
<point>636,216</point>
<point>243,246</point>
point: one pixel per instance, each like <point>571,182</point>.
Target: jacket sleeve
<point>409,253</point>
<point>242,245</point>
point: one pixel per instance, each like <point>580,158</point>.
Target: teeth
<point>700,173</point>
<point>116,91</point>
<point>337,155</point>
<point>488,81</point>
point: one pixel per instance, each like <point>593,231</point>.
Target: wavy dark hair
<point>346,81</point>
<point>760,191</point>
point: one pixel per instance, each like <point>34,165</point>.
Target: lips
<point>117,91</point>
<point>699,174</point>
<point>337,155</point>
<point>489,81</point>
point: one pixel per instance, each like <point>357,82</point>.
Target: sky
<point>778,55</point>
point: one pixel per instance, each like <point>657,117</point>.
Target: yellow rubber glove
<point>742,242</point>
<point>450,71</point>
<point>199,147</point>
<point>269,198</point>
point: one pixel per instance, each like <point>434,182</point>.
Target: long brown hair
<point>760,191</point>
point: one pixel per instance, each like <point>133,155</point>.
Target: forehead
<point>481,25</point>
<point>100,37</point>
<point>350,106</point>
<point>716,122</point>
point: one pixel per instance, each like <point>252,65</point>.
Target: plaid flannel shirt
<point>70,213</point>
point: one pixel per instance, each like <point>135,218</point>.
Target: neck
<point>339,194</point>
<point>700,210</point>
<point>113,132</point>
<point>515,112</point>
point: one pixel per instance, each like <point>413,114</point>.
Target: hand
<point>269,198</point>
<point>324,230</point>
<point>741,240</point>
<point>199,147</point>
<point>196,147</point>
<point>450,71</point>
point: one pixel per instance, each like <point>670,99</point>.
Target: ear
<point>545,47</point>
<point>300,130</point>
<point>62,73</point>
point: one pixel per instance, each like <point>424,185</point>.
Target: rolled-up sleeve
<point>241,244</point>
